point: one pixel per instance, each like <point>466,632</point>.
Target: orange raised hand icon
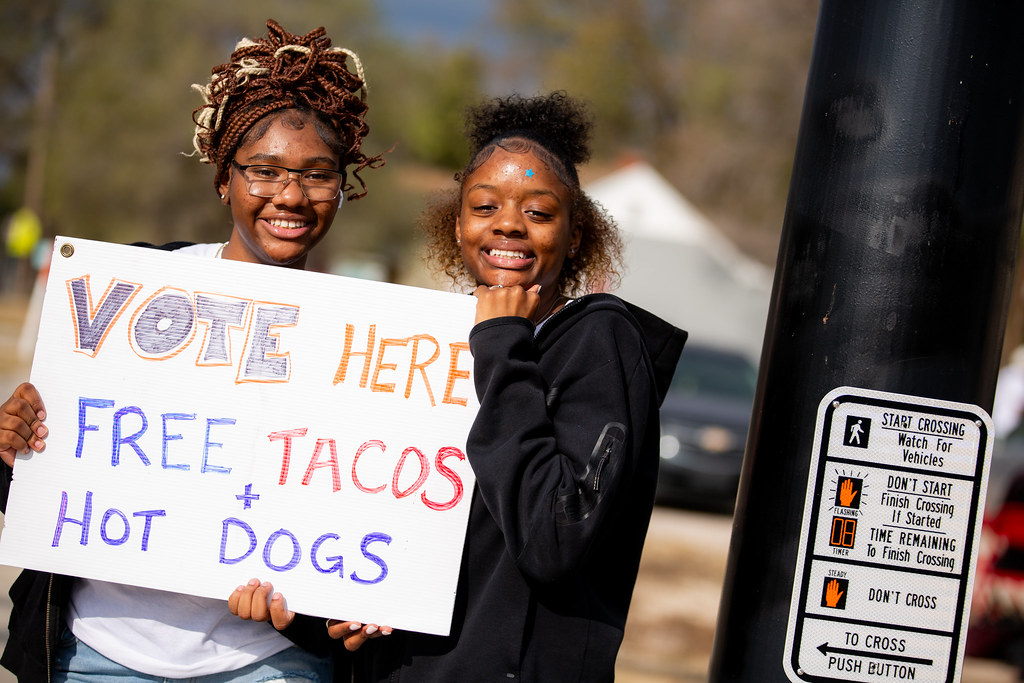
<point>832,593</point>
<point>846,493</point>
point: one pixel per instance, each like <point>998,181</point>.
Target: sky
<point>451,22</point>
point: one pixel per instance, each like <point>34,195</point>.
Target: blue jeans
<point>76,661</point>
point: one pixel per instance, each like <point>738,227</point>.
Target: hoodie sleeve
<point>556,442</point>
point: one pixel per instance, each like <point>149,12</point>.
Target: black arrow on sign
<point>825,649</point>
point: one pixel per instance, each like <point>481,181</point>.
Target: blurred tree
<point>616,54</point>
<point>425,99</point>
<point>118,143</point>
<point>709,92</point>
<point>25,56</point>
<point>744,72</point>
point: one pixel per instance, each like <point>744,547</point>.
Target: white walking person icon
<point>855,432</point>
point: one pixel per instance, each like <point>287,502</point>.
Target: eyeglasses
<point>318,184</point>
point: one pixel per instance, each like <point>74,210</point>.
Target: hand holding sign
<point>21,423</point>
<point>257,601</point>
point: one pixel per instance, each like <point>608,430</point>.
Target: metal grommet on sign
<point>67,250</point>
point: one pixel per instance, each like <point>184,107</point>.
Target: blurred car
<point>996,626</point>
<point>704,423</point>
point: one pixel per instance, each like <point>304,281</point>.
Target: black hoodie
<point>565,452</point>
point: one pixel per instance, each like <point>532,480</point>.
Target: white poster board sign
<point>892,519</point>
<point>212,421</point>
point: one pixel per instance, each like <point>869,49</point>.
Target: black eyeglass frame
<point>300,172</point>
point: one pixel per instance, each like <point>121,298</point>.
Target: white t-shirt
<point>168,634</point>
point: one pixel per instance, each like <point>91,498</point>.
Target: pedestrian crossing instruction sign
<point>892,517</point>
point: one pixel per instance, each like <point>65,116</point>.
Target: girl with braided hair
<point>565,445</point>
<point>284,108</point>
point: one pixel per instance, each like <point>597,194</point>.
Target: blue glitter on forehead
<point>529,173</point>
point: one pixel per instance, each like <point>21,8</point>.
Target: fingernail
<point>332,622</point>
<point>254,582</point>
<point>385,632</point>
<point>371,629</point>
<point>354,626</point>
<point>276,596</point>
<point>239,589</point>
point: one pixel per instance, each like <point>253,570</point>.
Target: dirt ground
<point>672,621</point>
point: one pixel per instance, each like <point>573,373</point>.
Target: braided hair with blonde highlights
<point>284,71</point>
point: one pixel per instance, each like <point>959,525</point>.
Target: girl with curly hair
<point>283,123</point>
<point>565,444</point>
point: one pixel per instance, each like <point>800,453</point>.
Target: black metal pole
<point>895,263</point>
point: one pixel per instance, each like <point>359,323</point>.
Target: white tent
<point>679,266</point>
